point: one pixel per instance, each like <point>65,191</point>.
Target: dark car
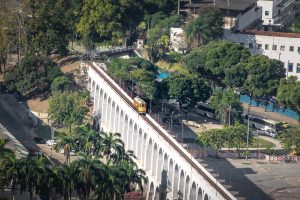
<point>39,140</point>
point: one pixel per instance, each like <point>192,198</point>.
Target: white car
<point>51,142</point>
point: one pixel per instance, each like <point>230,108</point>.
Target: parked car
<point>39,140</point>
<point>270,133</point>
<point>51,142</point>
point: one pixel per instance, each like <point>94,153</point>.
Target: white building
<point>276,13</point>
<point>178,40</point>
<point>277,45</point>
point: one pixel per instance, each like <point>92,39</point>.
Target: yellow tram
<point>140,105</point>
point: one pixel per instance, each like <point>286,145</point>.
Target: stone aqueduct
<point>167,164</point>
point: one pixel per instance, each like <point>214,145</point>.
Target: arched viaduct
<point>173,173</point>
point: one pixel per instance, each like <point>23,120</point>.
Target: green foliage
<point>67,108</point>
<point>263,78</point>
<point>214,138</point>
<point>32,75</point>
<point>158,36</point>
<point>47,28</point>
<point>107,19</point>
<point>290,138</point>
<point>219,62</point>
<point>164,6</point>
<point>105,178</point>
<point>61,84</point>
<point>187,90</point>
<point>236,136</point>
<point>223,102</point>
<point>289,93</point>
<point>206,27</point>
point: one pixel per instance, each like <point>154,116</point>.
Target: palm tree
<point>9,171</point>
<point>33,174</point>
<point>110,185</point>
<point>52,181</point>
<point>112,144</point>
<point>89,140</point>
<point>68,142</point>
<point>4,152</point>
<point>132,176</point>
<point>68,174</point>
<point>88,169</point>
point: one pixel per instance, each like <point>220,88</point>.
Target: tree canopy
<point>206,27</point>
<point>187,90</point>
<point>263,77</point>
<point>67,108</point>
<point>32,75</point>
<point>61,84</point>
<point>289,93</point>
<point>290,138</point>
<point>224,103</point>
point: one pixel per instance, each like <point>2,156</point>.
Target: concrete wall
<point>248,18</point>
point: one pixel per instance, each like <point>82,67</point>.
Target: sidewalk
<point>270,115</point>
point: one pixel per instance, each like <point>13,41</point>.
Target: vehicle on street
<point>51,142</point>
<point>72,152</point>
<point>39,140</point>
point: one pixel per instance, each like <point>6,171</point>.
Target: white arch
<point>144,147</point>
<point>154,159</point>
<point>193,193</point>
<point>139,144</point>
<point>151,192</point>
<point>187,188</point>
<point>160,165</point>
<point>200,194</point>
<point>181,185</point>
<point>148,158</point>
<point>176,182</point>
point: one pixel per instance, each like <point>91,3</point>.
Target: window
<point>250,46</point>
<point>267,13</point>
<point>266,47</point>
<point>242,44</point>
<point>298,67</point>
<point>259,46</point>
<point>274,47</point>
<point>290,67</point>
<point>291,48</point>
<point>282,48</point>
<point>299,49</point>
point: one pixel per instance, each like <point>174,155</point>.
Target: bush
<point>61,84</point>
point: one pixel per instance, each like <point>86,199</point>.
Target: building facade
<point>276,45</point>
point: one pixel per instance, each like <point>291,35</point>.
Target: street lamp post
<point>248,130</point>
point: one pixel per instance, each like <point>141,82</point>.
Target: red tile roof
<point>274,34</point>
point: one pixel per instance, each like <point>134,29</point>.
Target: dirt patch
<point>38,105</point>
<point>71,68</point>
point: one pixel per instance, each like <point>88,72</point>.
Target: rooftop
<point>274,34</point>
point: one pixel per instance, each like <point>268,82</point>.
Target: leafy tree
<point>224,103</point>
<point>47,28</point>
<point>289,93</point>
<point>215,138</point>
<point>237,136</point>
<point>263,78</point>
<point>187,90</point>
<point>158,37</point>
<point>32,75</point>
<point>165,6</point>
<point>290,138</point>
<point>61,84</point>
<point>219,62</point>
<point>67,108</point>
<point>106,19</point>
<point>206,27</point>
